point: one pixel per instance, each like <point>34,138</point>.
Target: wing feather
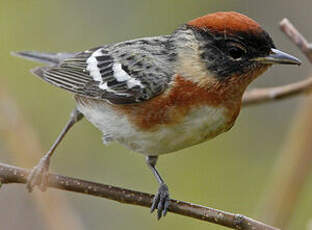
<point>121,74</point>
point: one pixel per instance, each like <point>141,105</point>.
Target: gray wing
<point>128,72</point>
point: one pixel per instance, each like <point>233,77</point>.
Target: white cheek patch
<point>122,75</point>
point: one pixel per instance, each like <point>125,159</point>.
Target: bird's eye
<point>236,51</point>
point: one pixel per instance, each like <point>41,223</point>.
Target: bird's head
<point>227,47</point>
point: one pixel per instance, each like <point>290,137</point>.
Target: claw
<point>164,213</point>
<point>155,202</point>
<point>44,181</point>
<point>39,176</point>
<point>161,201</point>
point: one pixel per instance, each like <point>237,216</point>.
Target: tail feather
<point>41,72</point>
<point>49,58</point>
<point>55,73</point>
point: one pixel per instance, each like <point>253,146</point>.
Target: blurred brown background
<point>231,172</point>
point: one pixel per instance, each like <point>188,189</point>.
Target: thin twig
<point>259,96</point>
<point>11,174</point>
<point>296,37</point>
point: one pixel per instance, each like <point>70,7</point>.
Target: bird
<point>161,94</point>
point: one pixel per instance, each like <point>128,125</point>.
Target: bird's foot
<point>39,175</point>
<point>161,201</point>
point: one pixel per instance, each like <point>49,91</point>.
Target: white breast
<point>199,125</point>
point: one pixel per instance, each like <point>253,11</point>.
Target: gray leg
<point>39,174</point>
<point>161,199</point>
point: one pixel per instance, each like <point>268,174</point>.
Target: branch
<point>258,96</point>
<point>11,174</point>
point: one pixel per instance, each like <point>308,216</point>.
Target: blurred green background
<point>230,172</point>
